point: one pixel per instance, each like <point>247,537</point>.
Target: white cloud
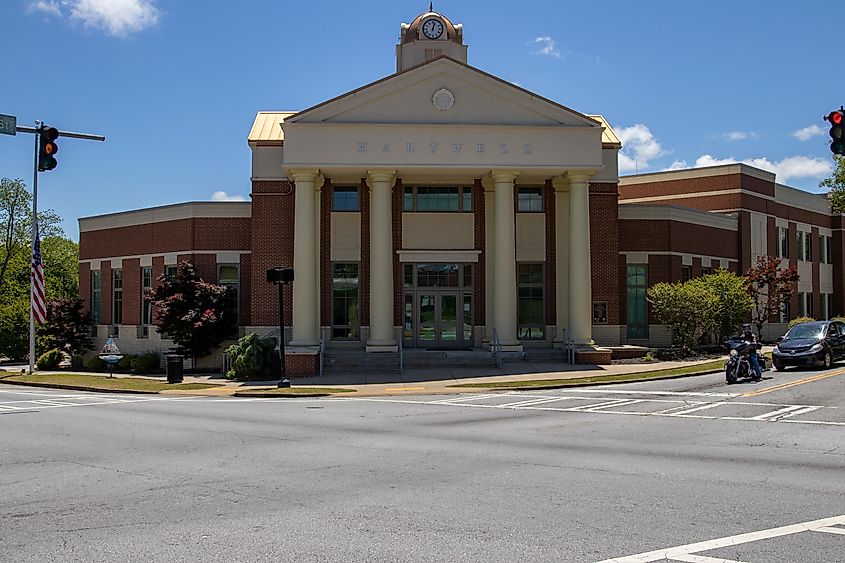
<point>678,165</point>
<point>638,147</point>
<point>223,196</point>
<point>808,133</point>
<point>49,7</point>
<point>786,169</point>
<point>739,135</point>
<point>544,46</point>
<point>116,17</point>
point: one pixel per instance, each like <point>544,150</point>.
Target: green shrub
<point>840,319</point>
<point>799,320</point>
<point>250,358</point>
<point>125,362</point>
<point>94,363</point>
<point>49,359</point>
<point>146,362</point>
<point>76,362</point>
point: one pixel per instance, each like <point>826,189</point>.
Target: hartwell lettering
<point>433,147</point>
<point>456,147</point>
<point>526,149</point>
<point>362,147</point>
<point>409,147</point>
<point>480,147</point>
<point>503,149</point>
<point>386,148</point>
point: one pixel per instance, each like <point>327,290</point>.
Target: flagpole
<point>34,234</point>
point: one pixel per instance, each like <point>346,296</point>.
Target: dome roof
<point>411,32</point>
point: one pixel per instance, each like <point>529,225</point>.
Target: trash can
<point>175,370</point>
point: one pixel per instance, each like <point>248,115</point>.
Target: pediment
<point>407,98</point>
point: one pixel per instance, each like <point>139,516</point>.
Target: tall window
<point>170,271</point>
<point>438,198</point>
<point>345,198</point>
<point>801,302</point>
<point>146,304</point>
<point>822,253</point>
<point>799,244</point>
<point>529,199</point>
<point>829,250</point>
<point>117,297</point>
<point>345,318</point>
<point>829,306</point>
<point>228,275</point>
<point>530,319</point>
<point>783,244</point>
<point>686,273</point>
<point>809,308</point>
<point>637,284</point>
<point>95,297</point>
<point>808,247</point>
<point>823,306</point>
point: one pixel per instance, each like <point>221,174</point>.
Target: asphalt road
<point>567,475</point>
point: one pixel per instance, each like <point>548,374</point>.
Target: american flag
<point>38,307</point>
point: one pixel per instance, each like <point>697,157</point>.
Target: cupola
<point>429,36</point>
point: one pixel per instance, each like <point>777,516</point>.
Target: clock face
<point>432,28</point>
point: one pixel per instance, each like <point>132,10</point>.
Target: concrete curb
<point>287,395</point>
<point>576,383</point>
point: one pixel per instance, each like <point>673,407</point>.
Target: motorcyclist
<point>748,336</point>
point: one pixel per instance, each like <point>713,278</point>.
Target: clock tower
<point>429,36</point>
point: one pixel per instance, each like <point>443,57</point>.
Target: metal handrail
<point>322,352</point>
<point>496,349</point>
<point>570,352</point>
<point>401,352</point>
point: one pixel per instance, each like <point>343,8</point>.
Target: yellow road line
<point>789,384</point>
<point>406,389</point>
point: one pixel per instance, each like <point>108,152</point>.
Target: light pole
<point>281,276</point>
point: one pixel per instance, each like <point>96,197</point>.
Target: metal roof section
<point>644,212</point>
<point>173,212</point>
<point>703,172</point>
<point>267,127</point>
<point>608,136</point>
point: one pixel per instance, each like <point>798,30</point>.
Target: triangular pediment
<point>465,96</point>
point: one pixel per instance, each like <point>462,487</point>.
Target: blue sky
<point>175,85</point>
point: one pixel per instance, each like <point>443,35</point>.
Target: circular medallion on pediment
<point>443,99</point>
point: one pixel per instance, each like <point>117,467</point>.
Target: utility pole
<point>44,159</point>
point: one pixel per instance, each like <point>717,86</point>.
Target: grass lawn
<point>105,382</point>
<point>292,391</point>
<point>619,378</point>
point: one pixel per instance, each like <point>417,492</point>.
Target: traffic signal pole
<point>37,131</point>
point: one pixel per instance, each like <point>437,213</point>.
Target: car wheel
<point>778,365</point>
<point>827,360</point>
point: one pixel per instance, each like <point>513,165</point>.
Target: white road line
<point>700,559</point>
<point>592,406</point>
<point>672,553</point>
<point>824,422</point>
<point>622,404</point>
<point>830,530</point>
<point>667,393</point>
<point>700,408</point>
<point>463,398</point>
<point>531,402</point>
<point>775,414</point>
<point>805,410</point>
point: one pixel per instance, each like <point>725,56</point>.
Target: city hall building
<point>443,208</point>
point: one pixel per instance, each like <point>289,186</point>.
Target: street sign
<point>8,124</point>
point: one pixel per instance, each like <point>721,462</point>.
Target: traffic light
<point>48,148</point>
<point>837,130</point>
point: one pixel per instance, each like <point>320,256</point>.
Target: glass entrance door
<point>437,325</point>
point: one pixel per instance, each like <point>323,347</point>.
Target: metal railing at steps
<point>322,352</point>
<point>401,353</point>
<point>496,349</point>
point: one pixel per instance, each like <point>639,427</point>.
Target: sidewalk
<point>414,381</point>
<point>434,380</point>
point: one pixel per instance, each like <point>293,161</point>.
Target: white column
<point>489,256</point>
<point>504,268</point>
<point>382,337</point>
<point>318,186</point>
<point>561,185</point>
<point>305,286</point>
<point>580,279</point>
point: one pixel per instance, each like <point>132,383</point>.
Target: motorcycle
<point>738,365</point>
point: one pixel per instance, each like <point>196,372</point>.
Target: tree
<point>769,287</point>
<point>733,302</point>
<point>60,258</point>
<point>688,308</point>
<point>191,311</point>
<point>14,329</point>
<point>836,184</point>
<point>16,230</point>
<point>67,328</point>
